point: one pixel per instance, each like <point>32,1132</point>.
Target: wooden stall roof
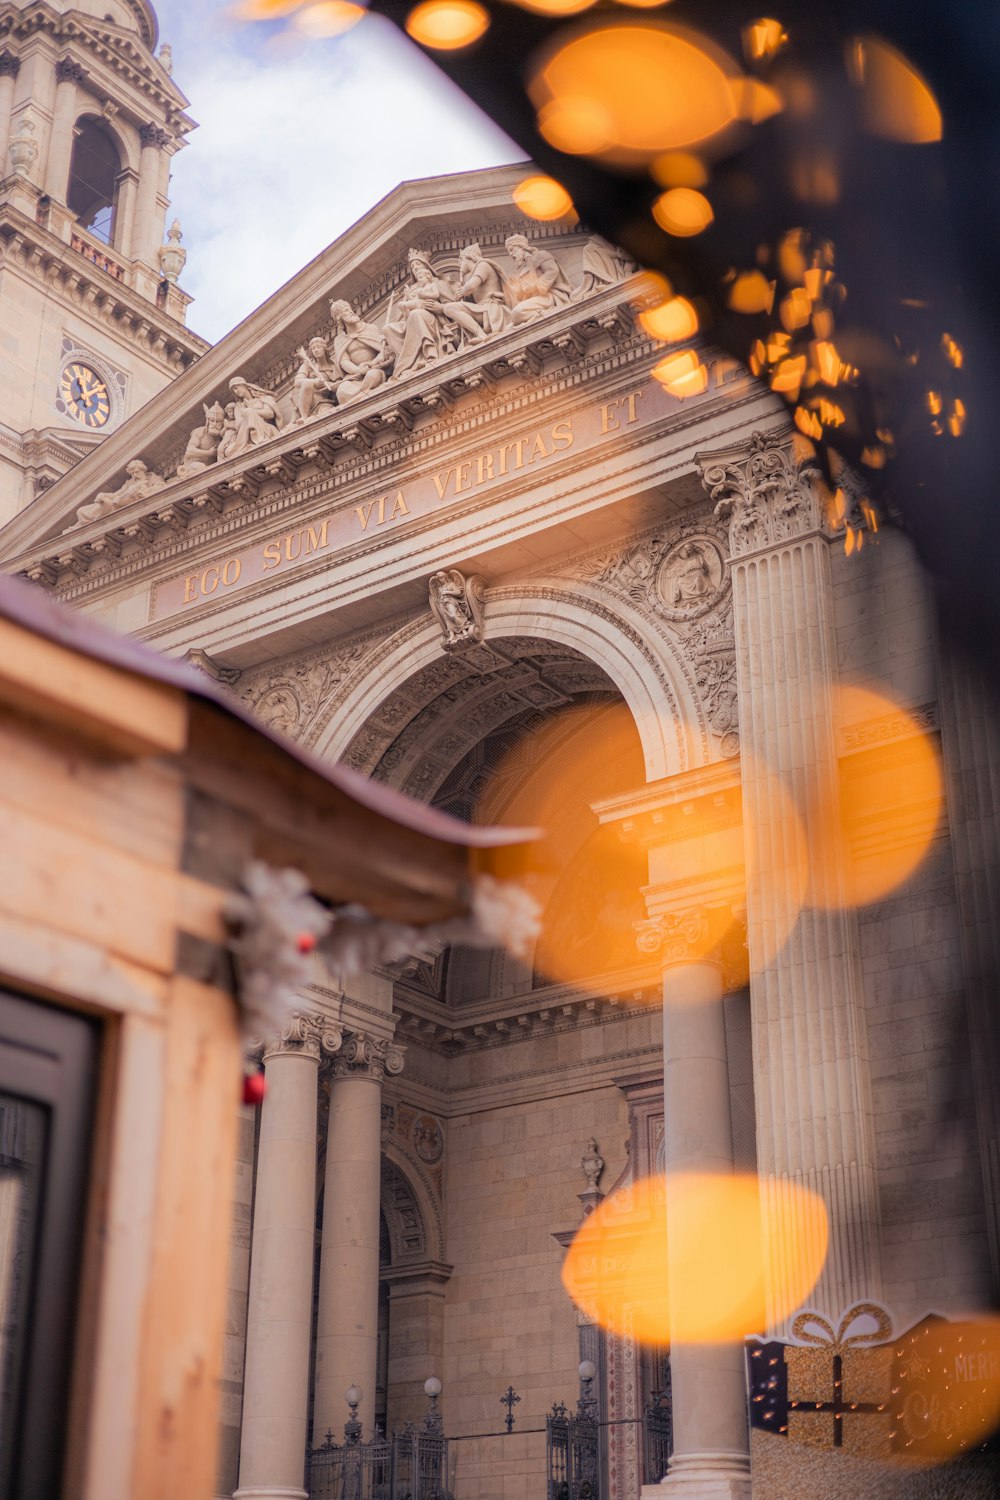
<point>355,839</point>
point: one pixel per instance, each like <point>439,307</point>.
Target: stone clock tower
<point>91,316</point>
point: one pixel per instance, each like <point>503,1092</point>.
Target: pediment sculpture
<point>140,483</point>
<point>431,317</point>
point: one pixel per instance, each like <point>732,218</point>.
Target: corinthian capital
<point>767,492</point>
<point>364,1055</point>
<point>712,934</point>
<point>306,1035</point>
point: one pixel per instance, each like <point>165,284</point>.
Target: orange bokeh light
<point>896,102</point>
<point>719,1235</point>
<point>683,212</point>
<point>328,18</point>
<point>671,322</point>
<point>891,795</point>
<point>542,198</point>
<point>447,25</point>
<point>659,87</point>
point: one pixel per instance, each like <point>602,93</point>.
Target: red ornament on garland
<point>305,942</point>
<point>254,1088</point>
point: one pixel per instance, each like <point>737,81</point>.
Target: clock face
<point>85,395</point>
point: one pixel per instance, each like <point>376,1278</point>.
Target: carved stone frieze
<point>768,493</point>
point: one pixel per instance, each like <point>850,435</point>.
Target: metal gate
<point>411,1465</point>
<point>572,1455</point>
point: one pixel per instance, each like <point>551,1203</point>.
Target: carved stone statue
<point>140,483</point>
<point>481,287</point>
<point>457,603</point>
<point>360,356</point>
<point>227,442</point>
<point>203,444</point>
<point>315,381</point>
<point>603,265</point>
<point>592,1165</point>
<point>537,284</point>
<point>256,416</point>
<point>428,320</point>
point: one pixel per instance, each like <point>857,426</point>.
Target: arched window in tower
<point>94,170</point>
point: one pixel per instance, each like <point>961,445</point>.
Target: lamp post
<point>586,1405</point>
<point>352,1428</point>
<point>432,1390</point>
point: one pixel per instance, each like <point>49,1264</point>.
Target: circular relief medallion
<point>279,709</point>
<point>428,1142</point>
<point>691,577</point>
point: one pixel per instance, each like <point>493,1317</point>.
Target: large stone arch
<point>653,679</point>
<point>412,1212</point>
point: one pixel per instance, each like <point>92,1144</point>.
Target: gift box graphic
<point>832,1389</point>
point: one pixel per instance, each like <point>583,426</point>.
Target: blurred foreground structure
<point>427,514</point>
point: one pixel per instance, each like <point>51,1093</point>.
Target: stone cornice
<point>127,55</point>
<point>83,286</point>
<point>239,502</point>
<point>541,1012</point>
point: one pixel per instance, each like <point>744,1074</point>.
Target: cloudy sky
<point>296,142</point>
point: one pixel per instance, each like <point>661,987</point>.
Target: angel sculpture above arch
<point>457,605</point>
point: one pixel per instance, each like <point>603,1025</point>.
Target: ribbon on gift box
<point>848,1350</point>
<point>843,1339</point>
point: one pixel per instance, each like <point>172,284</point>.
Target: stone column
<point>147,224</point>
<point>711,1455</point>
<point>10,66</point>
<point>276,1376</point>
<point>811,1077</point>
<point>970,727</point>
<point>69,75</point>
<point>347,1330</point>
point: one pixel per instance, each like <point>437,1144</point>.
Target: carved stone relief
<point>289,696</point>
<point>429,318</point>
<point>682,577</point>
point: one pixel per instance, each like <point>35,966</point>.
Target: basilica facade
<point>430,513</point>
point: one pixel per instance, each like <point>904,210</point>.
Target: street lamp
<point>352,1428</point>
<point>587,1404</point>
<point>432,1390</point>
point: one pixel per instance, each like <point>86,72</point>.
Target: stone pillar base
<point>269,1492</point>
<point>703,1476</point>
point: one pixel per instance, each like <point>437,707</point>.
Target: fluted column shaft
<point>276,1377</point>
<point>61,139</point>
<point>970,726</point>
<point>347,1328</point>
<point>811,1078</point>
<point>711,1455</point>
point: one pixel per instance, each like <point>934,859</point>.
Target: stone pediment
<point>397,319</point>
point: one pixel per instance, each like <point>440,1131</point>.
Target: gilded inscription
<point>590,427</point>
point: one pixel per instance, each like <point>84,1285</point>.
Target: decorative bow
<point>842,1339</point>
